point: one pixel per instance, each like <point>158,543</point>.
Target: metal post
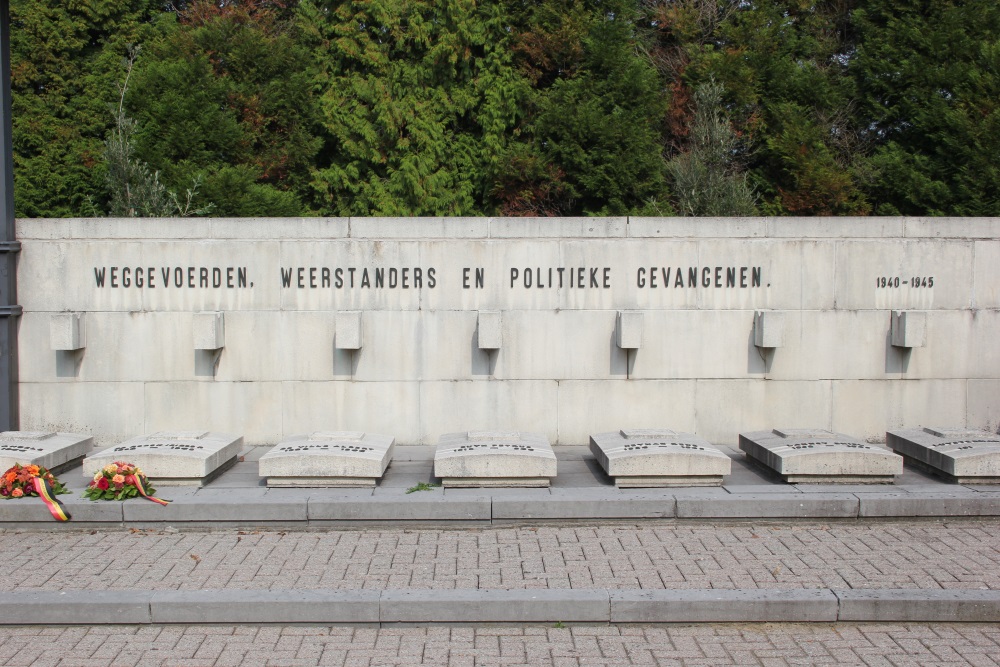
<point>9,246</point>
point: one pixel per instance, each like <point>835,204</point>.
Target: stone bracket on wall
<point>209,331</point>
<point>348,330</point>
<point>628,329</point>
<point>768,329</point>
<point>908,329</point>
<point>67,332</point>
<point>490,330</point>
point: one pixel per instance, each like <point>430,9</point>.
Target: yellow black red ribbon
<point>142,492</point>
<point>48,497</point>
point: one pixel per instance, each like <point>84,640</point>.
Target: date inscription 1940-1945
<point>913,282</point>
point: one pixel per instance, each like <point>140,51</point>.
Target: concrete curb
<point>295,509</point>
<point>464,606</point>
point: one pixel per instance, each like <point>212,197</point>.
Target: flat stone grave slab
<point>494,458</point>
<point>173,458</point>
<point>55,451</point>
<point>804,456</point>
<point>328,459</point>
<point>644,458</point>
<point>965,456</point>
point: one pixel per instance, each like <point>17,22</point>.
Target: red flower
<point>129,479</point>
<point>102,483</point>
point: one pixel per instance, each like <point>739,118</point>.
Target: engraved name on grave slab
<point>818,455</point>
<point>494,458</point>
<point>55,451</point>
<point>966,456</point>
<point>328,459</point>
<point>638,458</point>
<point>173,457</point>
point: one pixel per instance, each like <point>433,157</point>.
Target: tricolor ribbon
<point>48,497</point>
<point>142,491</point>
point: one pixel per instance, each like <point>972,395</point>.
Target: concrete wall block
<point>986,286</point>
<point>450,407</point>
<point>349,334</point>
<point>419,228</point>
<point>983,409</point>
<point>198,276</point>
<point>595,406</point>
<point>392,408</point>
<point>727,407</point>
<point>279,228</point>
<point>768,329</point>
<point>67,331</point>
<point>249,408</point>
<point>110,411</point>
<point>208,331</point>
<point>587,227</point>
<point>39,264</point>
<point>352,274</point>
<point>690,227</point>
<point>904,275</point>
<point>866,409</point>
<point>908,329</point>
<point>835,228</point>
<point>691,344</point>
<point>575,345</point>
<point>628,329</point>
<point>948,228</point>
<point>489,330</point>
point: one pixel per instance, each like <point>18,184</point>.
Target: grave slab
<point>494,458</point>
<point>55,451</point>
<point>328,459</point>
<point>645,458</point>
<point>173,458</point>
<point>802,456</point>
<point>961,455</point>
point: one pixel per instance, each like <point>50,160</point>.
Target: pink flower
<point>17,493</point>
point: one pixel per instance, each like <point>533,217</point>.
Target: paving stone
<point>328,459</point>
<point>659,458</point>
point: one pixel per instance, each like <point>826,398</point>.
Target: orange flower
<point>17,493</point>
<point>118,479</point>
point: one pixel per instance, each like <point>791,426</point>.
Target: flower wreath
<point>31,480</point>
<point>121,481</point>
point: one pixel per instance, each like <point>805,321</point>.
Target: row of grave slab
<point>633,458</point>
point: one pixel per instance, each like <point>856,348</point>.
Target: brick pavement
<point>921,554</point>
<point>715,645</point>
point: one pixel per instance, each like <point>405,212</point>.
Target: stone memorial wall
<point>565,327</point>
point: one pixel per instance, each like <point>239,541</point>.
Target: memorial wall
<point>567,327</point>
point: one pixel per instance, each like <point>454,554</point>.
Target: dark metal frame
<point>9,246</point>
